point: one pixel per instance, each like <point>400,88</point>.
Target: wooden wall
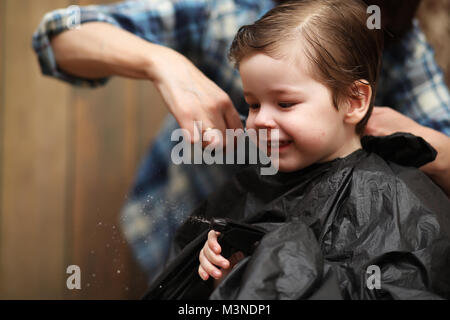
<point>67,160</point>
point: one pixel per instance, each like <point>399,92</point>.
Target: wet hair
<point>340,47</point>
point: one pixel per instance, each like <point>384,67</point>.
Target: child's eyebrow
<point>281,91</point>
<point>278,91</point>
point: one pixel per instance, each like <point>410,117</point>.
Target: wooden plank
<point>134,278</point>
<point>107,145</point>
<point>2,102</point>
<point>2,47</point>
<point>104,149</point>
<point>2,118</point>
<point>152,111</point>
<point>34,163</point>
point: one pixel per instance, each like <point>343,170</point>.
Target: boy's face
<point>282,95</point>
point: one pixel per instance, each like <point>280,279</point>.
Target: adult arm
<point>98,50</point>
<point>114,40</point>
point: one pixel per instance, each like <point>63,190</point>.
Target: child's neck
<point>352,144</point>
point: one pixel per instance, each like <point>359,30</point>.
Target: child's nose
<point>264,118</point>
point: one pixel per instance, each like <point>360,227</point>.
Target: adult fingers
<point>232,118</point>
<point>213,130</point>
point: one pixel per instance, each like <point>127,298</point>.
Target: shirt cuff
<point>56,22</point>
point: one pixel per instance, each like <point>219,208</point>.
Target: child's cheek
<point>311,139</point>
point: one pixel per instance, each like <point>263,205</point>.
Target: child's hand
<point>210,258</point>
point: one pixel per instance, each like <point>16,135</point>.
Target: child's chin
<point>289,167</point>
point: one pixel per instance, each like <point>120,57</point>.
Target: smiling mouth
<point>278,144</point>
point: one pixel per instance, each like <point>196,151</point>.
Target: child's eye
<point>254,105</point>
<point>285,104</point>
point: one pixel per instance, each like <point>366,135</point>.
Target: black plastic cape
<point>325,231</point>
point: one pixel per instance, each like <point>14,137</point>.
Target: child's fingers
<point>214,258</point>
<point>202,273</point>
<point>208,266</point>
<point>212,241</point>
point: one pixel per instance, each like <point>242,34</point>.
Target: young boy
<point>305,74</point>
<point>336,215</point>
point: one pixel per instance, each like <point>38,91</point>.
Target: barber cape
<point>367,226</point>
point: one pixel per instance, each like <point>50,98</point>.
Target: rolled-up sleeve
<point>176,24</point>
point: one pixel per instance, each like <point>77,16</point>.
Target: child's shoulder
<point>401,186</point>
<point>374,170</point>
<point>391,166</point>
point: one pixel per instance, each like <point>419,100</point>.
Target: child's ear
<point>358,104</point>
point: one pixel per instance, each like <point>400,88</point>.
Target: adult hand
<point>385,121</point>
<point>191,96</point>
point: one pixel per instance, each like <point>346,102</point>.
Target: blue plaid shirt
<point>164,194</point>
